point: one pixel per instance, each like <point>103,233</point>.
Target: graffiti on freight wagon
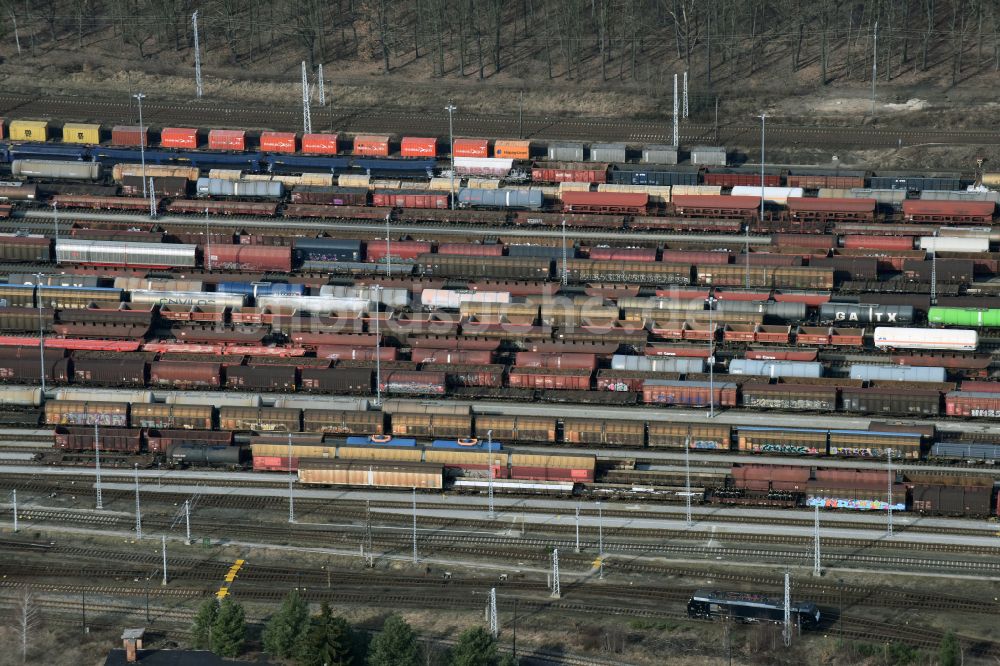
<point>793,449</point>
<point>856,504</point>
<point>857,452</point>
<point>707,444</point>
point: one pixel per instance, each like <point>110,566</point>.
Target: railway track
<point>356,510</point>
<point>421,230</point>
<point>406,121</point>
<point>485,540</point>
<point>270,584</point>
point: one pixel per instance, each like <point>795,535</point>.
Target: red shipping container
<point>410,199</point>
<point>623,253</point>
<point>804,240</point>
<point>471,249</point>
<point>452,356</point>
<point>221,139</point>
<point>278,142</point>
<point>682,351</point>
<point>813,335</point>
<point>347,352</point>
<point>697,394</point>
<point>847,337</point>
<point>711,202</point>
<point>185,374</point>
<point>549,360</point>
<point>812,299</point>
<point>740,179</point>
<point>179,137</point>
<point>967,403</point>
<point>413,146</point>
<point>375,146</point>
<point>545,378</point>
<point>732,295</point>
<point>878,242</point>
<point>319,144</point>
<point>920,210</point>
<point>122,135</point>
<point>774,333</point>
<point>694,257</point>
<point>400,251</point>
<point>569,172</point>
<point>981,387</point>
<point>249,257</point>
<point>782,354</point>
<point>471,148</point>
<point>526,473</point>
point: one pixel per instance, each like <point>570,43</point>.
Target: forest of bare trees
<point>722,42</point>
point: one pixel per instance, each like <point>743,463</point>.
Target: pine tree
<point>201,630</point>
<point>395,645</point>
<point>475,648</point>
<point>229,631</point>
<point>950,652</point>
<point>328,641</point>
<point>287,627</point>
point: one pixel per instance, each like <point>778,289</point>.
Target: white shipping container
<point>23,396</point>
<point>224,399</point>
<point>659,154</point>
<point>953,244</point>
<point>315,304</point>
<point>453,299</point>
<point>708,155</point>
<point>774,195</point>
<point>154,297</point>
<point>657,364</point>
<point>898,373</point>
<point>316,402</point>
<point>925,338</point>
<point>103,395</point>
<point>393,297</point>
<point>483,166</point>
<point>741,366</point>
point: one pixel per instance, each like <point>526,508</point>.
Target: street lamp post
<point>489,438</point>
<point>763,116</point>
<point>142,142</point>
<point>711,357</point>
<point>41,333</point>
<point>451,108</point>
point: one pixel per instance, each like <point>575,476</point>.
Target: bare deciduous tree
<point>26,619</point>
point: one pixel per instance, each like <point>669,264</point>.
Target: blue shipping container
<point>390,441</point>
<point>469,445</point>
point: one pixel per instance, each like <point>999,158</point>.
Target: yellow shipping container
<point>82,133</point>
<point>120,171</point>
<point>298,451</point>
<point>29,130</point>
<point>657,193</point>
<point>483,184</point>
<point>225,174</point>
<point>702,190</point>
<point>552,460</point>
<point>353,180</point>
<point>443,184</point>
<point>456,457</point>
<point>379,453</point>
